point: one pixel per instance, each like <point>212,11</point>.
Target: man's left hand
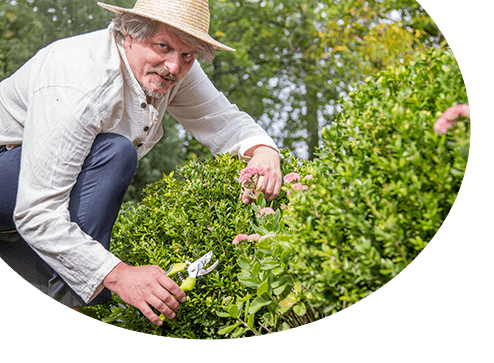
<point>270,184</point>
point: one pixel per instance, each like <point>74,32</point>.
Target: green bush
<point>383,184</point>
<point>391,182</point>
<point>183,216</point>
<point>381,187</point>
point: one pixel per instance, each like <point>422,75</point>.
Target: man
<point>73,122</point>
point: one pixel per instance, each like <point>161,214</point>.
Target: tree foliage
<point>294,58</point>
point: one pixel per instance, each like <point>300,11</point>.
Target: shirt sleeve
<point>210,118</point>
<point>56,141</point>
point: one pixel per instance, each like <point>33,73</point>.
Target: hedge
<point>380,188</point>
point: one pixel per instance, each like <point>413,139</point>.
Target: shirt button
<point>144,105</point>
<point>146,128</point>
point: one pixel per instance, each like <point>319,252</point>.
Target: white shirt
<point>59,101</point>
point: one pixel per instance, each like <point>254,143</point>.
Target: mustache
<point>165,73</point>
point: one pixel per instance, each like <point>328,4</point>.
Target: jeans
<point>95,201</point>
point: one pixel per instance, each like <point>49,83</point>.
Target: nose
<point>173,62</point>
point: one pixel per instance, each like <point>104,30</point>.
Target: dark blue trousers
<point>95,202</point>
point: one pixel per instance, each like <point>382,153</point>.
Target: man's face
<point>159,61</point>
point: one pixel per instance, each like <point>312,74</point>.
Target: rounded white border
<point>339,319</point>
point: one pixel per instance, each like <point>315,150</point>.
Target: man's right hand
<point>141,286</point>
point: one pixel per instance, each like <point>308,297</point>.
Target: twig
<point>268,330</point>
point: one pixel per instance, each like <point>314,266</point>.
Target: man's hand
<point>269,159</point>
<point>142,286</point>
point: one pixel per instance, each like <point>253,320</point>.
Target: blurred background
<point>294,61</point>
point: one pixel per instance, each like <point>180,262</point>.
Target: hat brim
<point>194,32</point>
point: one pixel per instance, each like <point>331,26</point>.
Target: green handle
<point>188,284</point>
<point>176,267</point>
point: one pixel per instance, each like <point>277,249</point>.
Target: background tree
<point>294,59</point>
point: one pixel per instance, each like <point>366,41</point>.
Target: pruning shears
<point>193,270</point>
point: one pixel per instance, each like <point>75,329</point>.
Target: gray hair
<point>140,28</point>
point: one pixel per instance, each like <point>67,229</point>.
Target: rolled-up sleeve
<point>210,117</point>
<point>56,142</point>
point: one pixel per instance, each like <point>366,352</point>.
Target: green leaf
<point>222,314</point>
<point>244,263</point>
<point>250,321</point>
<point>255,269</point>
<point>280,289</point>
<point>258,303</point>
<point>289,301</point>
<point>262,288</point>
<point>260,200</point>
<point>264,247</point>
<point>297,287</point>
<point>269,264</point>
<point>233,311</point>
<point>247,279</point>
<point>299,309</point>
<point>228,329</point>
<point>238,332</point>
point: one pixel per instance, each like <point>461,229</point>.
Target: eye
<point>189,57</point>
<point>164,47</point>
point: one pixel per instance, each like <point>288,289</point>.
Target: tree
<point>294,60</point>
<point>28,25</point>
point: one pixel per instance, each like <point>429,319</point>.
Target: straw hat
<point>190,16</point>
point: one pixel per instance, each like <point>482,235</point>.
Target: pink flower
<point>290,177</point>
<point>442,125</point>
<point>254,237</point>
<point>265,211</point>
<point>244,237</point>
<point>308,177</point>
<point>249,176</point>
<point>239,237</point>
<point>456,111</point>
<point>449,117</point>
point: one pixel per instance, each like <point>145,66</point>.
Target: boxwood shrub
<point>385,183</point>
<point>381,186</point>
<point>186,214</point>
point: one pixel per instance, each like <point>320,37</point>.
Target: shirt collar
<point>128,75</point>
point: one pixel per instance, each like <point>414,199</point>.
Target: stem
<point>248,327</point>
<point>262,326</point>
<point>397,244</point>
<point>376,213</point>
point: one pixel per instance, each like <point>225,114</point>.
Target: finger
<point>272,188</point>
<point>267,187</point>
<point>167,298</point>
<point>149,313</point>
<point>163,308</point>
<point>261,184</point>
<point>277,187</point>
<point>245,195</point>
<point>172,287</point>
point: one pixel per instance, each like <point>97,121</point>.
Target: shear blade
<point>203,272</point>
<point>205,258</point>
